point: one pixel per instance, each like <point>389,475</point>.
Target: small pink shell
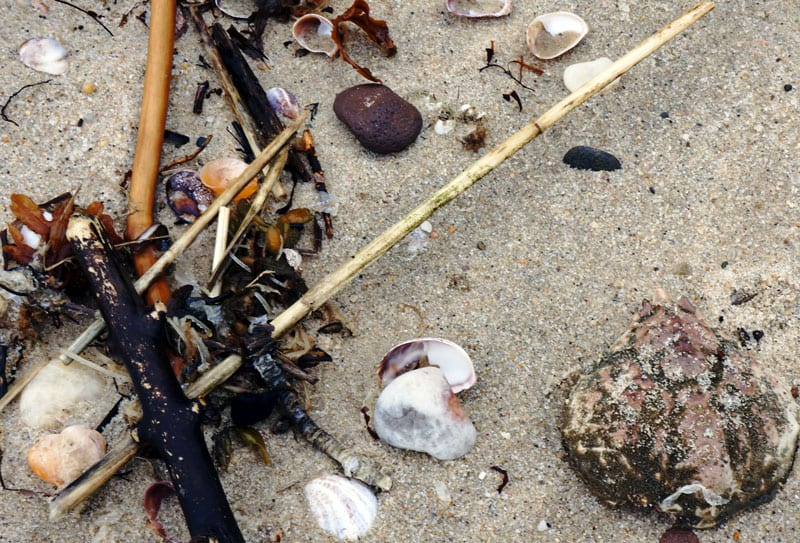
<point>479,8</point>
<point>454,361</point>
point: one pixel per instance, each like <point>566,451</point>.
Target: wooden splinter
<point>170,422</point>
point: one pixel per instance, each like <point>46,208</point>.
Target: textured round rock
<point>418,411</point>
<point>589,158</point>
<point>380,119</point>
<point>343,507</point>
<point>678,417</point>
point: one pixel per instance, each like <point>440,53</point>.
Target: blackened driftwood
<point>170,423</point>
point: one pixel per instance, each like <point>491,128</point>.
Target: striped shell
<point>343,507</point>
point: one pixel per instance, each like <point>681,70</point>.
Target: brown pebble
<point>679,535</point>
<point>382,121</point>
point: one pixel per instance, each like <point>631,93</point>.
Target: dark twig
<point>170,422</point>
<point>8,102</point>
<point>187,158</point>
<point>90,13</point>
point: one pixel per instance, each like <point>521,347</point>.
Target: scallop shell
<point>217,174</point>
<point>313,33</point>
<point>553,34</point>
<point>454,361</point>
<point>343,507</point>
<point>59,459</point>
<point>680,418</point>
<point>44,55</point>
<point>479,8</point>
<point>418,411</point>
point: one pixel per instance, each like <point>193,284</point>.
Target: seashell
<point>454,361</point>
<point>418,411</point>
<point>381,121</point>
<point>187,196</point>
<point>479,8</point>
<point>314,33</point>
<point>217,174</point>
<point>59,459</point>
<point>343,507</point>
<point>61,394</point>
<point>677,416</point>
<point>553,34</point>
<point>583,157</point>
<point>576,75</point>
<point>44,55</point>
<point>283,102</point>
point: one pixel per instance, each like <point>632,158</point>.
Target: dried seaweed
<point>377,31</point>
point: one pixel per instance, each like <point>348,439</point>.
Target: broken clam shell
<point>479,8</point>
<point>217,174</point>
<point>59,459</point>
<point>454,361</point>
<point>680,418</point>
<point>44,55</point>
<point>553,34</point>
<point>576,75</point>
<point>418,411</point>
<point>343,507</point>
<point>314,33</point>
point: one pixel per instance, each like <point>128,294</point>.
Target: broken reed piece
<point>318,295</point>
<point>170,422</point>
<point>169,257</point>
<point>149,139</point>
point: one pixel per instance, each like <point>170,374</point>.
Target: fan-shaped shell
<point>343,507</point>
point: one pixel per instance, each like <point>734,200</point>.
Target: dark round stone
<point>248,408</point>
<point>589,158</point>
<point>380,119</point>
<point>679,535</point>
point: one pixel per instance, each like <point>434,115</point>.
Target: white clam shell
<point>418,411</point>
<point>313,32</point>
<point>61,458</point>
<point>454,361</point>
<point>61,394</point>
<point>44,55</point>
<point>479,8</point>
<point>576,75</point>
<point>343,507</point>
<point>553,34</point>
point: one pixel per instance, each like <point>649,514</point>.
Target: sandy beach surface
<point>535,271</point>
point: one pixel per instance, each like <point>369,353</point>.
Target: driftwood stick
<point>315,297</point>
<point>170,422</point>
<point>147,156</point>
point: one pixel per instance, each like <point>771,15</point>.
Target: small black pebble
<point>80,123</point>
<point>175,138</point>
<point>481,246</point>
<point>665,115</point>
<point>787,87</point>
<point>201,141</point>
<point>652,190</point>
<point>724,264</point>
<point>758,335</point>
<point>589,158</point>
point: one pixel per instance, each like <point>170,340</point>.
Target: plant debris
<point>14,95</point>
<point>377,31</point>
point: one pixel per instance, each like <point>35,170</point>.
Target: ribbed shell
<point>343,507</point>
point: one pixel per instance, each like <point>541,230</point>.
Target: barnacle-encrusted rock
<point>382,121</point>
<point>678,417</point>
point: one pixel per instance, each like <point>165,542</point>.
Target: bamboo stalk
<point>150,137</point>
<point>317,296</point>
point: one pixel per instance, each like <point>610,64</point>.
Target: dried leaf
<point>29,214</point>
<point>153,497</point>
<point>58,226</point>
<point>253,437</point>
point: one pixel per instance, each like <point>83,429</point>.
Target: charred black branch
<point>170,422</point>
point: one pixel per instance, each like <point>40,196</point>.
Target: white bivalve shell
<point>343,507</point>
<point>44,55</point>
<point>314,33</point>
<point>418,411</point>
<point>61,394</point>
<point>59,459</point>
<point>576,75</point>
<point>409,355</point>
<point>553,34</point>
<point>479,8</point>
